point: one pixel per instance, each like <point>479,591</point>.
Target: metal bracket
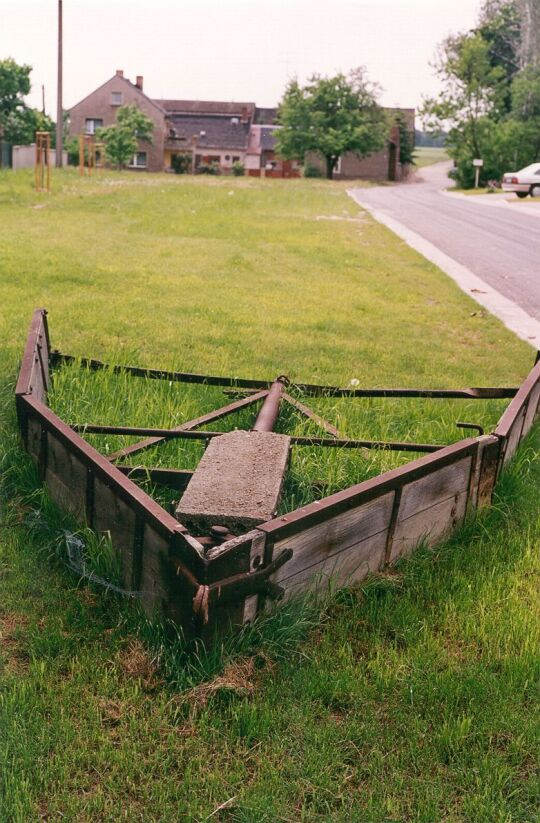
<point>240,586</point>
<point>472,426</point>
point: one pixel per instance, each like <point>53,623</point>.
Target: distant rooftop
<point>212,131</point>
<point>206,107</point>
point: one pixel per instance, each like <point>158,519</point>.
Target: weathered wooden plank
<point>112,515</point>
<point>65,478</point>
<point>514,435</point>
<point>424,493</point>
<point>156,573</point>
<point>230,558</point>
<point>321,510</point>
<point>485,473</point>
<point>36,385</point>
<point>342,569</point>
<point>428,525</point>
<point>236,556</point>
<point>33,441</point>
<point>515,408</point>
<point>256,558</point>
<point>34,372</point>
<point>532,410</point>
<point>327,539</point>
<point>124,488</point>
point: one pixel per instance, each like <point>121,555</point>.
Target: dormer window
<point>116,98</point>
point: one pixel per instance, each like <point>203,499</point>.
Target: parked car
<point>523,182</point>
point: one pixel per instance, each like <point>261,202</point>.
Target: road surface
<point>498,243</point>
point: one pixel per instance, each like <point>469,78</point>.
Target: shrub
<point>312,171</point>
<point>71,146</point>
<point>181,163</point>
<point>209,168</point>
<point>238,169</point>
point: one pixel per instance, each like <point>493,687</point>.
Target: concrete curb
<point>513,316</point>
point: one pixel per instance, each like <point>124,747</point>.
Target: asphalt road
<point>497,243</point>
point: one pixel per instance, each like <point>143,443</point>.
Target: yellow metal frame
<point>42,164</point>
<point>88,154</point>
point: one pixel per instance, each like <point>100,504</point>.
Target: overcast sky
<point>230,49</point>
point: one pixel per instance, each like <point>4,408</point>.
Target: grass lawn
<point>411,697</point>
<point>426,156</point>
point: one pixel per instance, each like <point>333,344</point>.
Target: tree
<point>530,31</point>
<point>500,28</point>
<point>121,139</point>
<point>331,116</point>
<point>14,86</point>
<point>406,142</point>
<point>477,69</point>
<point>18,122</point>
<point>491,95</point>
<point>19,127</point>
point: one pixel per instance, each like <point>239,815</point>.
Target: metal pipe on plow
<point>269,411</point>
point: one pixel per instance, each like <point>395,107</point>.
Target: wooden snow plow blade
<point>217,562</point>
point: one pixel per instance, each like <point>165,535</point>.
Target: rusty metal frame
<point>313,390</point>
<point>206,590</point>
<point>159,435</point>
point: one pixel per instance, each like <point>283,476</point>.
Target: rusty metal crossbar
<point>313,390</point>
<point>177,434</point>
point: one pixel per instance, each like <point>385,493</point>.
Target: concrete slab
<point>237,483</point>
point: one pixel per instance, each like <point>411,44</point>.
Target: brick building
<point>99,109</point>
<point>213,132</point>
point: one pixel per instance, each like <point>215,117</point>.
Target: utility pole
<point>59,107</point>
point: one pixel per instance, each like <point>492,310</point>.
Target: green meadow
<point>412,697</point>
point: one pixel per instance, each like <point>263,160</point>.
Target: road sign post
<point>477,163</point>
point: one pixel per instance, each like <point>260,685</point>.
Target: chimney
<point>139,81</point>
<point>244,116</point>
<point>119,72</point>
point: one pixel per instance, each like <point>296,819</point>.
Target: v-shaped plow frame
<point>343,537</point>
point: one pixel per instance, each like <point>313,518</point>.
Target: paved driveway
<point>498,243</point>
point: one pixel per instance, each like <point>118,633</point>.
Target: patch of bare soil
<point>136,663</point>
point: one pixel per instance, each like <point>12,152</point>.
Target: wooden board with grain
<point>34,375</point>
<point>533,410</point>
<point>345,547</point>
<point>115,518</point>
<point>428,526</point>
<point>520,414</point>
<point>66,478</point>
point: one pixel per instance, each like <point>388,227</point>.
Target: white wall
<point>24,157</point>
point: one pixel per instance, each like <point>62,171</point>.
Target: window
<point>116,98</point>
<point>138,161</point>
<point>92,124</point>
